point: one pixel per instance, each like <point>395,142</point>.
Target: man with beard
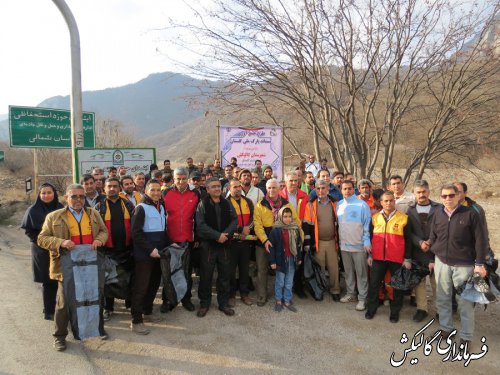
<point>308,185</point>
<point>116,213</point>
<point>365,194</point>
<point>140,182</point>
<point>247,189</point>
<point>420,215</point>
<point>128,191</point>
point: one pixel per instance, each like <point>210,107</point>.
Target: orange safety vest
<point>126,222</point>
<point>137,197</point>
<point>371,203</point>
<point>80,232</point>
<point>388,242</point>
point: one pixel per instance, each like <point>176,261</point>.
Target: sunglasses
<point>451,196</point>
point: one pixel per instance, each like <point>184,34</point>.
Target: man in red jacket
<point>180,206</point>
<point>299,200</point>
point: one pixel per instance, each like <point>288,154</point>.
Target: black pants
<point>240,258</point>
<point>210,256</point>
<point>49,297</point>
<point>146,283</point>
<point>379,268</point>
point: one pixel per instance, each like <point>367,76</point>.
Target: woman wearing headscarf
<point>46,202</point>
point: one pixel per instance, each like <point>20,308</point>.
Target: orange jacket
<point>310,225</point>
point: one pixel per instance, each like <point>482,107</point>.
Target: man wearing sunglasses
<point>63,229</point>
<point>460,244</point>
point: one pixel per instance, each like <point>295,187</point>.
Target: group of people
<point>234,219</point>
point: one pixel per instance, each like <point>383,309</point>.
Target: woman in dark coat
<point>46,202</point>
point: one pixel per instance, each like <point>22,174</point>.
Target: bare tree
<point>112,133</point>
<point>360,75</point>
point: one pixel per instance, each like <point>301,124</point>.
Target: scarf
<point>293,231</point>
<point>275,206</point>
<point>35,215</point>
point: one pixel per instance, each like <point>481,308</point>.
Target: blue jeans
<point>284,280</point>
<point>446,278</point>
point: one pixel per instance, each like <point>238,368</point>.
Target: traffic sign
<point>34,127</point>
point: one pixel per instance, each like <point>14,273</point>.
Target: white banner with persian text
<point>249,144</point>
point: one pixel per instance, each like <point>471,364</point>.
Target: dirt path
<point>322,338</point>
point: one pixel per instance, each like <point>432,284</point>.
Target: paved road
<point>322,338</point>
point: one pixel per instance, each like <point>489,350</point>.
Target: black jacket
<point>419,234</point>
<point>459,240</point>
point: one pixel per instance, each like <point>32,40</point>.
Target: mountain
<point>150,106</point>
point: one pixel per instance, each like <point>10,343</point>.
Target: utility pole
<point>76,83</point>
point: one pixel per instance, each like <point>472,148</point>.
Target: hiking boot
<point>247,300</point>
<point>151,318</point>
<point>106,315</point>
<point>227,311</point>
<point>139,328</point>
<point>188,305</point>
<point>291,307</point>
<point>369,314</point>
<point>394,317</point>
<point>348,298</point>
<point>104,336</point>
<point>261,302</point>
<point>166,307</point>
<point>420,315</point>
<point>360,306</point>
<point>60,344</point>
<point>202,312</point>
<point>336,297</point>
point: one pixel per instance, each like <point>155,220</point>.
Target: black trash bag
<point>120,289</point>
<point>475,289</point>
<point>315,277</point>
<point>407,279</point>
<point>174,268</point>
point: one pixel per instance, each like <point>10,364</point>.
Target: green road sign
<point>46,127</point>
<point>2,156</point>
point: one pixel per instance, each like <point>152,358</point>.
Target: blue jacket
<point>277,251</point>
<point>334,193</point>
<point>354,219</point>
